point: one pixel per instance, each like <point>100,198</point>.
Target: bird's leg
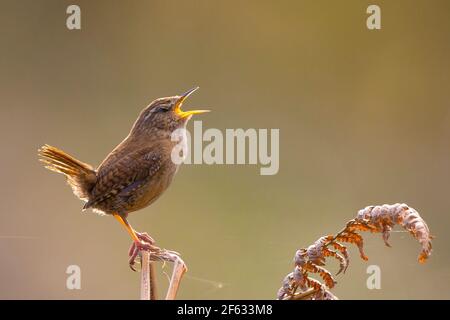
<point>141,241</point>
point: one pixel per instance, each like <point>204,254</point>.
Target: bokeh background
<point>364,118</point>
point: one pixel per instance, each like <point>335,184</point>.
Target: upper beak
<point>184,96</point>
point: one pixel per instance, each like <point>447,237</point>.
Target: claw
<point>133,253</point>
<point>144,236</point>
<point>136,247</point>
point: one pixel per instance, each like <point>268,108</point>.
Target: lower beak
<point>184,114</point>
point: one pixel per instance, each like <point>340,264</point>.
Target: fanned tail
<point>80,176</point>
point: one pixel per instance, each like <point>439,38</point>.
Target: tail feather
<point>80,176</point>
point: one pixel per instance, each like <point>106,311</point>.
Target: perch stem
<point>153,290</point>
<point>146,283</point>
<point>179,268</point>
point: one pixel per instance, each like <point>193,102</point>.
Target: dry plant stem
<point>303,295</point>
<point>153,287</point>
<point>148,277</point>
<point>179,268</point>
<point>146,281</point>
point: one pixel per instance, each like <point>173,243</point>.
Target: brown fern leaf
<point>281,294</point>
<point>300,278</point>
<point>323,273</point>
<point>386,216</point>
<point>315,252</point>
<point>297,283</point>
<point>354,226</point>
<point>313,283</point>
<point>355,238</point>
<point>287,287</point>
<point>300,257</point>
<point>343,250</point>
<point>380,219</point>
<point>342,260</point>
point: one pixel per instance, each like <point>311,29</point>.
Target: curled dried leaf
<point>384,217</point>
<point>355,238</point>
<point>323,273</point>
<point>315,252</point>
<point>343,250</point>
<point>313,283</point>
<point>342,261</point>
<point>300,277</point>
<point>300,257</point>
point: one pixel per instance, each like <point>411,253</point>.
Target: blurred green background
<point>364,118</point>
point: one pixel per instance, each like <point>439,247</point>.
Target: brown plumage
<point>135,173</point>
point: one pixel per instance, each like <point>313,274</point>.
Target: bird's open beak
<point>184,114</point>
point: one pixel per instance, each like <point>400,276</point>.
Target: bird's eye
<point>163,109</point>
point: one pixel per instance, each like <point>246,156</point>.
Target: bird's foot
<point>144,236</point>
<point>146,243</point>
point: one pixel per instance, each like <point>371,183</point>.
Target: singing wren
<point>135,173</point>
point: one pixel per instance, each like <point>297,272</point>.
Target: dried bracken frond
<point>384,217</point>
<point>298,285</point>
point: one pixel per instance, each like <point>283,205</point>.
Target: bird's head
<point>166,114</point>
